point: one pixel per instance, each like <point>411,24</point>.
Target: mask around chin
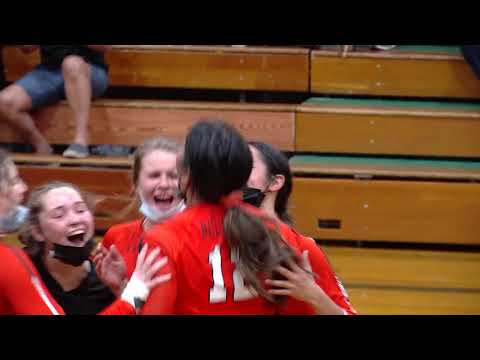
<point>12,222</point>
<point>253,196</point>
<point>157,216</point>
<point>70,255</point>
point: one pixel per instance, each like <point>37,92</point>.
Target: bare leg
<point>78,91</point>
<point>14,106</point>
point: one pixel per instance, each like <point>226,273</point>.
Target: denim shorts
<point>46,86</point>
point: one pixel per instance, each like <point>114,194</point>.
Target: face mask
<point>14,219</point>
<point>253,196</point>
<point>70,255</point>
<point>156,216</point>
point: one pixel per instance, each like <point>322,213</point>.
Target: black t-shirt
<point>90,298</point>
<point>53,55</point>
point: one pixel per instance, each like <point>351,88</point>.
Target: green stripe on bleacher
<point>403,104</point>
<point>371,161</point>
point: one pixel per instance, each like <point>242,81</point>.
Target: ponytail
<point>257,240</point>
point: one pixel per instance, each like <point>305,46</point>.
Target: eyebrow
<point>57,208</point>
<point>63,207</point>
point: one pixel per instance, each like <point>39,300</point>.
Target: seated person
<point>75,72</point>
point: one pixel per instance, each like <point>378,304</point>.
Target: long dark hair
<point>277,164</point>
<point>219,163</point>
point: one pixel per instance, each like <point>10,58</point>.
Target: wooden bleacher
<point>407,71</point>
<point>200,67</point>
<point>388,127</point>
<point>123,122</point>
<point>387,200</point>
<point>108,180</point>
<point>378,173</point>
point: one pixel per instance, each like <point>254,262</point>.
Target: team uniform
<point>23,290</point>
<point>90,297</point>
<point>324,274</point>
<point>205,280</point>
<point>128,239</point>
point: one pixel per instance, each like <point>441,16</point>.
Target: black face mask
<point>253,196</point>
<point>70,255</point>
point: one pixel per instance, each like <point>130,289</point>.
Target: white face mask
<point>157,216</point>
<point>14,219</point>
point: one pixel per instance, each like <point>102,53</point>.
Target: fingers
<point>150,272</point>
<point>280,292</point>
<point>285,272</point>
<point>280,284</point>
<point>143,253</point>
<point>100,250</point>
<point>148,266</point>
<point>97,259</point>
<point>107,260</point>
<point>115,254</point>
<point>306,262</point>
<point>151,257</point>
<point>159,280</point>
<point>99,268</point>
<point>294,267</point>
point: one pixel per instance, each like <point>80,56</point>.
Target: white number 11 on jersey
<point>218,294</point>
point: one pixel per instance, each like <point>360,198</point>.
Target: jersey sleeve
<point>162,299</point>
<point>109,238</point>
<point>325,276</point>
<point>119,307</point>
<point>22,287</point>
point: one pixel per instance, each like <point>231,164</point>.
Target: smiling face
<point>13,188</point>
<point>158,180</point>
<point>65,219</point>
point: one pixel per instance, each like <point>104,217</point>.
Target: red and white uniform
<point>205,280</point>
<point>22,291</point>
<point>127,238</point>
<point>325,276</point>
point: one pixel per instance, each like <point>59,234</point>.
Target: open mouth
<point>77,237</point>
<point>164,202</point>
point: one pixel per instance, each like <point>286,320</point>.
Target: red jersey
<point>325,276</point>
<point>128,239</point>
<point>205,280</point>
<point>22,291</point>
